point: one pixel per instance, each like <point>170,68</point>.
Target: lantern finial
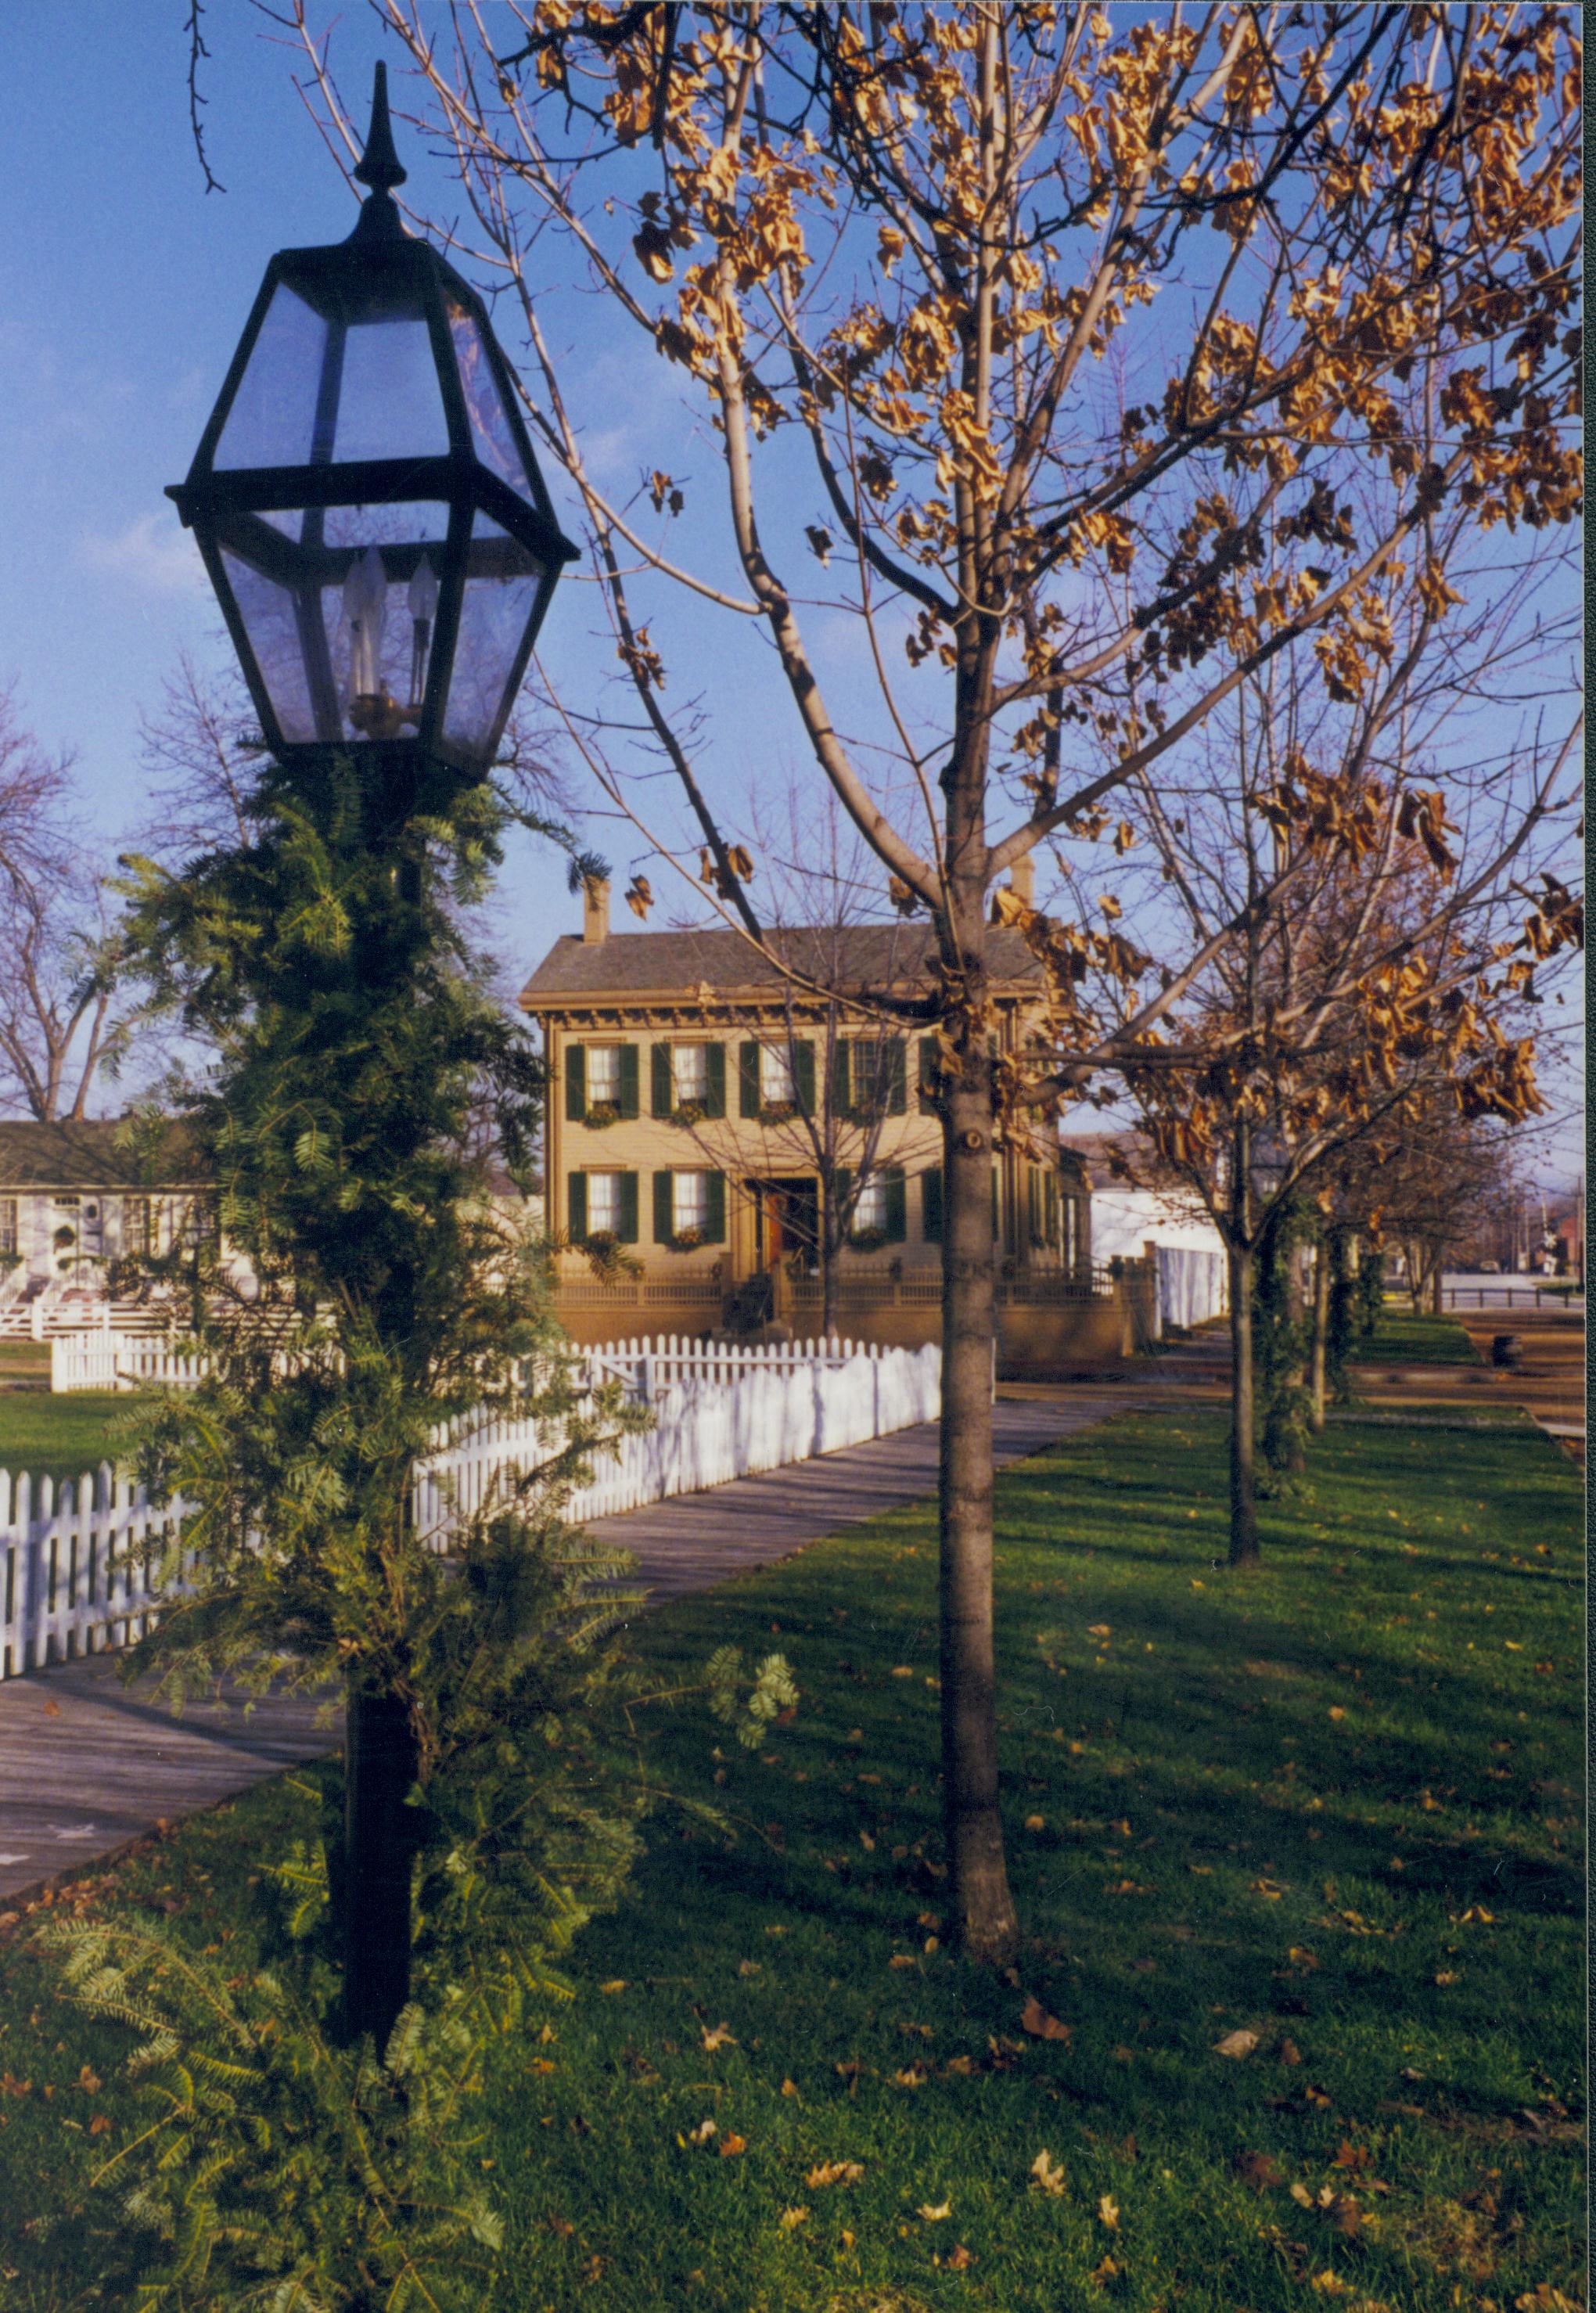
<point>380,166</point>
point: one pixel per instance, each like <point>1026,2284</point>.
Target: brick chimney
<point>595,911</point>
<point>1022,879</point>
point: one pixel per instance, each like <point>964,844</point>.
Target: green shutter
<point>842,1089</point>
<point>662,1230</point>
<point>747,1079</point>
<point>897,1206</point>
<point>931,1203</point>
<point>577,1205</point>
<point>895,1087</point>
<point>842,1189</point>
<point>715,1103</point>
<point>715,1226</point>
<point>804,1077</point>
<point>661,1085</point>
<point>626,1204</point>
<point>575,1084</point>
<point>628,1080</point>
<point>928,1076</point>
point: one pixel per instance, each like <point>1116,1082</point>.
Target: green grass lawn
<point>1401,1339</point>
<point>57,1437</point>
<point>1336,1805</point>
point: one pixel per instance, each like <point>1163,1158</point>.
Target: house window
<point>870,1206</point>
<point>603,1076</point>
<point>8,1224</point>
<point>776,1076</point>
<point>690,1074</point>
<point>137,1236</point>
<point>689,1202</point>
<point>603,1202</point>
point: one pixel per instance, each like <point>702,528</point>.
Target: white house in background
<point>1140,1209</point>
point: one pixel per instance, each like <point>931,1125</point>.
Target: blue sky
<point>123,288</point>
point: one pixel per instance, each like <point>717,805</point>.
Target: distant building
<point>1142,1210</point>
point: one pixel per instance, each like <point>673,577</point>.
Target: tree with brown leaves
<point>1047,345</point>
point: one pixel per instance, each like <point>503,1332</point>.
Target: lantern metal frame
<point>379,267</point>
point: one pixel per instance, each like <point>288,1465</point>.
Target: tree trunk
<point>1321,1327</point>
<point>379,1772</point>
<point>980,1907</point>
<point>1244,1550</point>
<point>1437,1283</point>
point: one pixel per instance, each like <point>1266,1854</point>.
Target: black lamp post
<point>378,537</point>
<point>367,501</point>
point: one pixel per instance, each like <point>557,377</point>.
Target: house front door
<point>786,1222</point>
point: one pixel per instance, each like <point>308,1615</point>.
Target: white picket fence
<point>79,1561</point>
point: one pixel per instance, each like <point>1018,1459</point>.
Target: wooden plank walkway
<point>87,1765</point>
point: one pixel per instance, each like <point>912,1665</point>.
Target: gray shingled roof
<point>83,1155</point>
<point>853,957</point>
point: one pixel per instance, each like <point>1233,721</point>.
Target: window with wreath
<point>777,1085</point>
<point>8,1226</point>
<point>603,1204</point>
<point>603,1076</point>
<point>689,1075</point>
<point>689,1209</point>
<point>879,1206</point>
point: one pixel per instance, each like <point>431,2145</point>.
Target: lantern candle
<point>365,605</point>
<point>423,600</point>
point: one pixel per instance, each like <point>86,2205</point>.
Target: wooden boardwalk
<point>87,1765</point>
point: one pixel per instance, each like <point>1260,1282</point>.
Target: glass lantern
<point>367,502</point>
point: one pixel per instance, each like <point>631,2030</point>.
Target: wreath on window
<point>868,1240</point>
<point>601,1113</point>
<point>777,1111</point>
<point>688,1112</point>
<point>688,1240</point>
<point>603,1242</point>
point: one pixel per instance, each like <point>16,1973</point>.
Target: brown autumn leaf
<point>732,2145</point>
<point>791,2218</point>
<point>89,2079</point>
<point>99,2125</point>
<point>1107,2212</point>
<point>1035,2020</point>
<point>1287,2053</point>
<point>789,2087</point>
<point>1236,2044</point>
<point>834,2172</point>
<point>1046,2177</point>
<point>959,2260</point>
<point>934,2215</point>
<point>720,2036</point>
<point>616,1984</point>
<point>1259,2170</point>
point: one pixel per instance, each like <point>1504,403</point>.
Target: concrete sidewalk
<point>87,1765</point>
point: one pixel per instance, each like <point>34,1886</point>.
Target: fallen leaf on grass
<point>99,2125</point>
<point>1036,1823</point>
<point>1287,2053</point>
<point>1099,1629</point>
<point>1127,1888</point>
<point>748,1967</point>
<point>1236,2044</point>
<point>1270,1889</point>
<point>1100,2275</point>
<point>1301,1957</point>
<point>721,2035</point>
<point>1328,2284</point>
<point>701,2134</point>
<point>1544,2299</point>
<point>1107,2212</point>
<point>616,1984</point>
<point>934,2216</point>
<point>1446,1975</point>
<point>834,2172</point>
<point>1047,2178</point>
<point>1337,1712</point>
<point>903,1959</point>
<point>731,2146</point>
<point>903,1670</point>
<point>1256,2169</point>
<point>561,2228</point>
<point>541,2065</point>
<point>959,2260</point>
<point>1477,1914</point>
<point>791,2218</point>
<point>1035,2020</point>
<point>912,2076</point>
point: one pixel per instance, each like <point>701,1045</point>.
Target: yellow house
<point>706,1104</point>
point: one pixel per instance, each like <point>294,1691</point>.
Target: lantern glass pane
<point>273,418</point>
<point>492,436</point>
<point>272,624</point>
<point>501,593</point>
<point>390,404</point>
<point>380,615</point>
